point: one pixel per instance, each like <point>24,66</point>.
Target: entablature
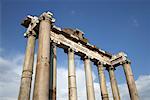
<point>81,46</point>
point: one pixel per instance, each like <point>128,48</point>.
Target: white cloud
<point>10,73</point>
<point>135,22</point>
<point>9,77</point>
<point>73,12</point>
<point>143,84</point>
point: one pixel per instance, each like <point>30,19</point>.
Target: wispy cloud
<point>73,12</point>
<point>135,23</point>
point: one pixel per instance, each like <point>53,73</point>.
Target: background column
<point>53,71</point>
<point>71,76</point>
<point>130,81</point>
<point>41,88</point>
<point>89,79</point>
<point>114,86</point>
<point>26,79</point>
<point>103,87</point>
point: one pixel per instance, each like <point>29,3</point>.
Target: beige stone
<point>130,81</point>
<point>114,86</point>
<point>89,79</point>
<point>71,76</point>
<point>26,80</point>
<point>41,86</point>
<point>103,87</point>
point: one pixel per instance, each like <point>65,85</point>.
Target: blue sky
<point>110,25</point>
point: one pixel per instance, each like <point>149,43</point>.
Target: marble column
<point>26,79</point>
<point>114,86</point>
<point>89,79</point>
<point>130,81</point>
<point>53,71</point>
<point>41,86</point>
<point>71,76</point>
<point>103,87</point>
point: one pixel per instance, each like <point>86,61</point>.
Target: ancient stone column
<point>130,81</point>
<point>114,86</point>
<point>53,72</point>
<point>41,87</point>
<point>89,79</point>
<point>71,76</point>
<point>103,87</point>
<point>26,79</point>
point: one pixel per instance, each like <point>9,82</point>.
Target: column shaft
<point>71,76</point>
<point>89,79</point>
<point>102,79</point>
<point>41,88</point>
<point>130,81</point>
<point>53,72</point>
<point>114,86</point>
<point>26,80</point>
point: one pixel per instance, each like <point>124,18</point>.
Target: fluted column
<point>53,72</point>
<point>130,81</point>
<point>89,79</point>
<point>114,86</point>
<point>71,76</point>
<point>26,79</point>
<point>41,88</point>
<point>103,87</point>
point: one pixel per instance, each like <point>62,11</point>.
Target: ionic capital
<point>68,50</point>
<point>30,33</point>
<point>99,63</point>
<point>127,61</point>
<point>47,16</point>
<point>85,57</point>
<point>108,68</point>
<point>34,21</point>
